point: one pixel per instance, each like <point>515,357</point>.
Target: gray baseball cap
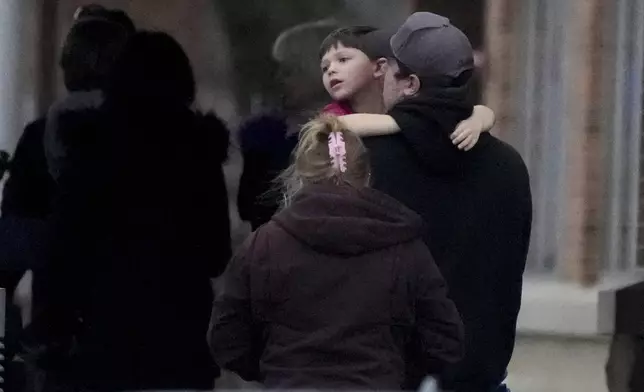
<point>427,44</point>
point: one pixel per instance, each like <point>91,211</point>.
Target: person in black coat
<point>141,226</point>
<point>266,148</point>
<point>30,189</point>
<point>477,205</point>
<point>29,192</point>
<point>268,139</point>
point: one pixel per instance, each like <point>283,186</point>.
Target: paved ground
<point>558,365</point>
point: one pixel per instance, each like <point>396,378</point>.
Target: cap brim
<point>377,44</point>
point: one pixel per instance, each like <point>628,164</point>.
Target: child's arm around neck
<point>465,136</point>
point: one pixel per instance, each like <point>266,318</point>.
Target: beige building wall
<point>585,50</point>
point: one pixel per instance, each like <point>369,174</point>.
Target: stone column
<point>499,45</point>
<point>543,79</point>
<point>583,71</point>
<point>48,53</point>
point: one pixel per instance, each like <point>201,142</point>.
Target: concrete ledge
<point>554,307</point>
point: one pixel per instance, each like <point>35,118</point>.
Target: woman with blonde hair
<point>336,289</point>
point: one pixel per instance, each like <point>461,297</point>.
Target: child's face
<point>346,71</point>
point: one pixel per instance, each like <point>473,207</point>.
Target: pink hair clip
<point>338,151</point>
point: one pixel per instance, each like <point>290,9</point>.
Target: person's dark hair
<point>90,11</point>
<point>121,18</point>
<point>461,80</point>
<point>350,37</point>
<point>91,49</point>
<point>153,68</point>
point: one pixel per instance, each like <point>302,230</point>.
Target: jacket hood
<point>348,221</point>
<point>426,122</point>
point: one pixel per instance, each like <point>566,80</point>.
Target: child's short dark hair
<point>350,37</point>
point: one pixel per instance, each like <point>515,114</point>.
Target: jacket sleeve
<point>511,252</point>
<point>234,335</point>
<point>266,150</point>
<point>58,286</point>
<point>438,323</point>
<point>220,213</point>
<point>248,183</point>
<point>29,188</point>
<point>256,163</point>
<point>214,217</point>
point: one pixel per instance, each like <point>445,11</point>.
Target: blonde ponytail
<point>314,161</point>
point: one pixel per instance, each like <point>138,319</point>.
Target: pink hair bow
<point>338,151</point>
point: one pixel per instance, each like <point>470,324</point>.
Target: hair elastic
<point>338,151</point>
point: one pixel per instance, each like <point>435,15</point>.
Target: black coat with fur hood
<point>141,225</point>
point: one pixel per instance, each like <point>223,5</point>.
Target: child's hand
<point>467,134</point>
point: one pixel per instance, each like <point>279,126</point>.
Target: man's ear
<point>380,68</point>
<point>413,86</point>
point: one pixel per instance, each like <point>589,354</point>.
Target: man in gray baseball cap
<point>435,53</point>
<point>477,205</point>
